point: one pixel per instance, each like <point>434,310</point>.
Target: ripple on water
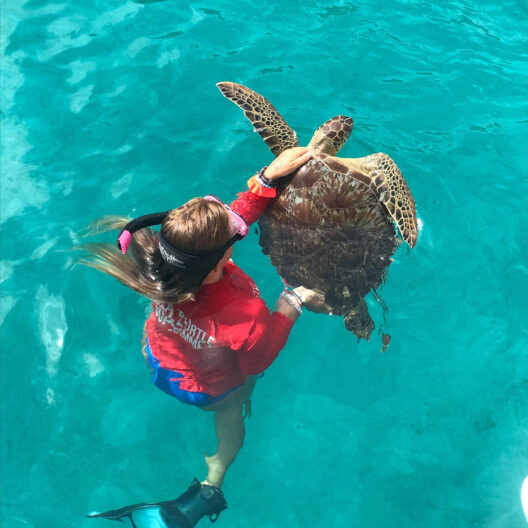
<point>137,45</point>
<point>7,302</point>
<point>79,70</point>
<point>52,327</point>
<point>116,16</point>
<point>41,250</point>
<point>65,33</point>
<point>19,189</point>
<point>81,98</point>
<point>93,365</point>
<point>167,57</point>
<point>121,186</point>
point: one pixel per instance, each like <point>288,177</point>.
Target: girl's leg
<point>230,430</point>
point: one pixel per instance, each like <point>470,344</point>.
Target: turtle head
<point>331,136</point>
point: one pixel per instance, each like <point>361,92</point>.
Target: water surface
<point>111,107</point>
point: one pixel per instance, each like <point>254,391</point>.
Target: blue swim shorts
<point>167,381</point>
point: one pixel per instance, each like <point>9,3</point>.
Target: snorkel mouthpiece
<point>123,241</point>
<point>125,237</point>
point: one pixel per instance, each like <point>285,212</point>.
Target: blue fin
<point>183,512</point>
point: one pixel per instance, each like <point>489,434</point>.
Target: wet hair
<point>197,228</point>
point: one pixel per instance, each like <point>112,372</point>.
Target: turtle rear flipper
<point>359,322</point>
<point>263,116</point>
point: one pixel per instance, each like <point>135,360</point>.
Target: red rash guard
<point>224,335</point>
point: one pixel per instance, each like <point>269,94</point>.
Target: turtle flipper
<point>384,178</point>
<point>263,116</point>
<point>330,137</point>
<point>359,322</point>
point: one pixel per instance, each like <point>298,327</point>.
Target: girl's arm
<point>270,331</point>
<point>265,343</point>
<point>251,204</point>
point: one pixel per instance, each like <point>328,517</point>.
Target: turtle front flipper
<point>384,178</point>
<point>263,116</point>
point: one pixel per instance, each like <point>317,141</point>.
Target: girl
<point>209,333</point>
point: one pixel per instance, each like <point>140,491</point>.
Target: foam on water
<point>52,327</point>
<point>93,365</point>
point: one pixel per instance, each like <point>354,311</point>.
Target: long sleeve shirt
<point>226,333</point>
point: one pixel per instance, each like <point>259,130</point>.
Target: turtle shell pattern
<point>329,232</point>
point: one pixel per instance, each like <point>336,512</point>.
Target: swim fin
<point>184,512</point>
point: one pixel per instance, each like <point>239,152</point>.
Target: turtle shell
<point>329,232</point>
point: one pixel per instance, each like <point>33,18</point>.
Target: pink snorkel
<point>123,241</point>
<point>125,237</point>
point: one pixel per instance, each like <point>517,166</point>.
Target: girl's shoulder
<point>242,282</point>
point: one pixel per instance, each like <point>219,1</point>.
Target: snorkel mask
<point>173,255</point>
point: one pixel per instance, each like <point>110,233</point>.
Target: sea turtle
<point>331,227</point>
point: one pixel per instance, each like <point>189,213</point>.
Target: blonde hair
<point>198,227</point>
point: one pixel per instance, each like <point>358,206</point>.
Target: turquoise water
<point>111,107</point>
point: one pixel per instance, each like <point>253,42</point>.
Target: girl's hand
<point>313,300</point>
<point>287,162</point>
